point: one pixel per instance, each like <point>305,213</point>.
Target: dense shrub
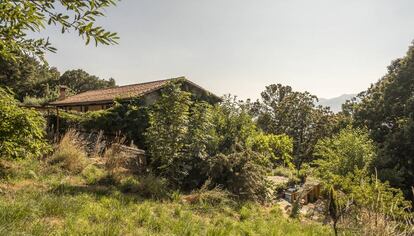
<point>22,130</point>
<point>276,148</point>
<point>345,165</point>
<point>348,152</point>
<point>190,142</point>
<point>240,174</point>
<point>233,125</point>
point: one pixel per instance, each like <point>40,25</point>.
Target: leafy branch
<point>17,17</point>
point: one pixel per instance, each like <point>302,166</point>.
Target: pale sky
<point>327,47</point>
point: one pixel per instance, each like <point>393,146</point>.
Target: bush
<point>277,149</point>
<point>240,174</point>
<point>350,151</point>
<point>22,130</point>
<point>70,153</point>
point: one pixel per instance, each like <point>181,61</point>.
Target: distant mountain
<point>335,103</point>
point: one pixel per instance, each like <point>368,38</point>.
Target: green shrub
<point>347,152</point>
<point>233,125</point>
<point>70,153</point>
<point>22,130</point>
<point>167,133</point>
<point>240,174</point>
<point>277,149</point>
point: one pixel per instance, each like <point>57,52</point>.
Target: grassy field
<point>40,199</point>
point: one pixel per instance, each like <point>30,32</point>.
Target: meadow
<point>37,198</point>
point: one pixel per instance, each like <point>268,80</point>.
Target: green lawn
<point>41,200</point>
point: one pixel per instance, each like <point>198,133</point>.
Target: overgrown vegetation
<point>207,165</point>
<point>40,197</point>
<point>22,130</point>
<point>387,110</point>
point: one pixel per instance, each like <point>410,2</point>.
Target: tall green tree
<point>27,76</point>
<point>284,111</point>
<point>387,110</point>
<point>167,133</point>
<point>80,81</point>
<point>18,17</point>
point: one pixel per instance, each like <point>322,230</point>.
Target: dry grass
<point>119,159</point>
<point>70,153</point>
<point>213,197</point>
<point>367,222</point>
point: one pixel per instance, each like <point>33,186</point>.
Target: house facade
<point>148,93</point>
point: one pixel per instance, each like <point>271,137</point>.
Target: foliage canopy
<point>387,110</point>
<point>284,111</point>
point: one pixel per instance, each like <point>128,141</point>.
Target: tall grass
<point>68,205</point>
<point>70,153</point>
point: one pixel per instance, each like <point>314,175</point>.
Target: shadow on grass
<point>105,187</point>
<point>99,190</point>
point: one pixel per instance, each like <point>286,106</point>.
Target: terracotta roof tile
<point>109,94</point>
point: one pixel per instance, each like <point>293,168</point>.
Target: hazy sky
<point>328,47</point>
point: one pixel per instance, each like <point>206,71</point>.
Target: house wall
<point>85,108</point>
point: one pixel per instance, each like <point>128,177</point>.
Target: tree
<point>387,110</point>
<point>27,76</point>
<point>284,111</point>
<point>80,81</point>
<point>346,166</point>
<point>233,123</point>
<point>21,130</point>
<point>31,80</point>
<point>167,133</point>
<point>21,16</point>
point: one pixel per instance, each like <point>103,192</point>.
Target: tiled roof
<point>109,94</point>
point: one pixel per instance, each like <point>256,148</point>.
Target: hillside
<point>335,103</point>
